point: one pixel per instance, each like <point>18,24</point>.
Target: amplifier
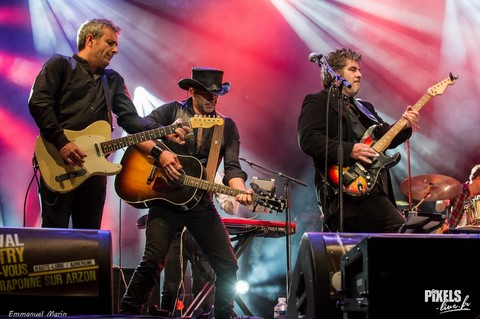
<point>411,276</point>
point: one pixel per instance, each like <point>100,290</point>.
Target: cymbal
<point>432,187</point>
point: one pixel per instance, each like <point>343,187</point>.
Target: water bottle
<point>280,309</point>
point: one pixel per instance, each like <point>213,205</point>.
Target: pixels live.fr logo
<point>450,300</point>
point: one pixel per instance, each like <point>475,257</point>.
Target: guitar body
<point>360,178</point>
<point>61,177</point>
<point>142,183</point>
<point>131,184</point>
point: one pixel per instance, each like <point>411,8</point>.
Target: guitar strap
<point>106,92</point>
<point>212,162</point>
<point>364,110</point>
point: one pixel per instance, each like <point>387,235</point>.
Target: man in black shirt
<point>72,93</point>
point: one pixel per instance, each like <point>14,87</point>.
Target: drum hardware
<point>401,203</point>
<point>472,210</point>
<point>430,187</point>
<point>425,223</point>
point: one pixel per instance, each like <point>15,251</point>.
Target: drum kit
<point>431,188</point>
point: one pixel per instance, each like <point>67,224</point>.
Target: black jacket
<point>314,140</point>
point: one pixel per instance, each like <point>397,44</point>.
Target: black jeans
<point>373,214</point>
<point>183,249</point>
<point>83,204</point>
<point>206,226</point>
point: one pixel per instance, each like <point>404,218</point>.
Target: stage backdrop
<point>263,47</point>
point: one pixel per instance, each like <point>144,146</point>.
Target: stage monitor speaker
<point>316,279</point>
<point>55,272</point>
<point>412,276</point>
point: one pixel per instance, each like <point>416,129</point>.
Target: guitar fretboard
<point>116,144</point>
<point>213,187</point>
<point>194,122</point>
<point>383,143</point>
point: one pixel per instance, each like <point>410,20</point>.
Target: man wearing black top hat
<point>203,220</point>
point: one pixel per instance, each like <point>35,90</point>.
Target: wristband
<point>156,151</point>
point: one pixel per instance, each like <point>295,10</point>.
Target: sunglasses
<point>206,95</point>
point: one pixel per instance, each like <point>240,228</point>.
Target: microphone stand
<point>340,82</point>
<point>286,185</point>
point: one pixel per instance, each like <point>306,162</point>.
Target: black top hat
<point>207,79</point>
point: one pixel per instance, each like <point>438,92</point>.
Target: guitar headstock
<point>441,86</point>
<point>269,201</point>
<point>205,121</point>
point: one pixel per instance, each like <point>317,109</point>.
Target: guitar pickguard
<point>132,183</point>
<point>359,179</point>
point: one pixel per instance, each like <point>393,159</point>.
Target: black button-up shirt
<point>66,94</point>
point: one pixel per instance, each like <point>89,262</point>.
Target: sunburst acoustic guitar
<point>142,183</point>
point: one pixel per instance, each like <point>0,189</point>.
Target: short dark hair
<point>95,28</point>
<point>475,172</point>
<point>337,60</point>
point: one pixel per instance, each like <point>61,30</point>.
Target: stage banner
<point>53,272</point>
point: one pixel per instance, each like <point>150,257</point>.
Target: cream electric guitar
<point>95,142</point>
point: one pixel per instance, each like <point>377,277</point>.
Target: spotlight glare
<point>242,287</point>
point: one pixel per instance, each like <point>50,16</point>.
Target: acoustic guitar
<point>142,183</point>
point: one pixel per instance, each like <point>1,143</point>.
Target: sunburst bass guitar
<point>360,178</point>
<point>95,142</point>
<point>143,183</point>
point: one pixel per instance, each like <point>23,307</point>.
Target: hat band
<point>213,87</point>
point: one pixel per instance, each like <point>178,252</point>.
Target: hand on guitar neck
<point>412,117</point>
<point>243,198</point>
<point>363,152</point>
<point>167,159</point>
<point>180,132</point>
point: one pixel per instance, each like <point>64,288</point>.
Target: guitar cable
<point>121,275</point>
<point>34,178</point>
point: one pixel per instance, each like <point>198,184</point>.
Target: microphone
<point>315,57</point>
